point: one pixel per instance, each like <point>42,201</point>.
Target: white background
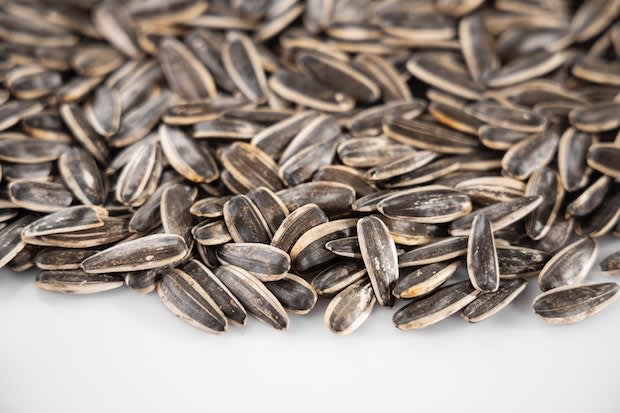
<point>123,352</point>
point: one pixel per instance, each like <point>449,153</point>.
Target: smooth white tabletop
<point>123,352</point>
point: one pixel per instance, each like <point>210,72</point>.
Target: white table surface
<point>123,352</point>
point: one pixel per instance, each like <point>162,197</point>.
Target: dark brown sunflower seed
<point>11,242</point>
<point>174,209</point>
<point>519,262</point>
<point>294,293</point>
<point>487,305</point>
<point>305,91</point>
<point>527,67</point>
<point>348,310</point>
<point>321,129</point>
<point>265,262</point>
<point>329,196</point>
<point>572,153</point>
<point>77,282</point>
<point>424,280</point>
<point>225,128</point>
<point>70,219</point>
<point>211,233</point>
<point>113,229</point>
<point>569,266</point>
<point>270,206</point>
<point>371,151</point>
<point>500,138</point>
<point>309,251</point>
<point>219,293</point>
<point>151,251</point>
<point>30,151</point>
<point>412,233</point>
<point>32,82</point>
<point>117,27</point>
<point>82,176</point>
<point>436,307</point>
<point>96,60</point>
<point>546,183</point>
<point>139,121</point>
<point>253,295</point>
<point>251,167</point>
<point>401,165</point>
<point>140,176</point>
<point>206,46</point>
<point>242,63</point>
<point>600,221</point>
<point>604,158</point>
<point>530,154</point>
<point>510,118</point>
<point>482,261</point>
<point>188,300</point>
<point>437,251</point>
<point>186,157</point>
<point>380,257</point>
<point>611,264</point>
<point>428,204</point>
<point>104,112</point>
<point>296,224</point>
<point>455,117</point>
<point>274,139</point>
<point>501,214</point>
<point>589,199</point>
<point>490,190</point>
<point>39,195</point>
<point>571,304</point>
<point>245,222</point>
<point>425,174</point>
<point>47,125</point>
<point>338,276</point>
<point>76,121</point>
<point>62,258</point>
<point>598,117</point>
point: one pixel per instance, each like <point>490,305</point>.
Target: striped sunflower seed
<point>294,293</point>
<point>77,282</point>
<point>611,264</point>
<point>487,305</point>
<point>425,279</point>
<point>348,310</point>
<point>569,266</point>
<point>265,262</point>
<point>482,261</point>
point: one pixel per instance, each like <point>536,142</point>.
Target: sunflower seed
<point>482,261</point>
<point>477,47</point>
<point>412,233</point>
<point>487,305</point>
<point>604,158</point>
<point>76,218</point>
<point>309,250</point>
<point>211,207</point>
<point>371,151</point>
<point>509,118</point>
<point>597,117</point>
<point>348,310</point>
<point>589,199</point>
<point>265,262</point>
<point>39,195</point>
<point>151,251</point>
<point>532,153</point>
<point>174,209</point>
<point>602,219</point>
<point>76,121</point>
<point>329,196</point>
<point>274,139</point>
<point>545,183</point>
<point>519,262</point>
<point>296,224</point>
<point>401,166</point>
<point>112,230</point>
<point>30,151</point>
<point>437,251</point>
<point>58,259</point>
<point>251,167</point>
<point>571,304</point>
<point>11,242</point>
<point>186,157</point>
<point>219,293</point>
<point>569,266</point>
<point>139,121</point>
<point>47,125</point>
<point>294,293</point>
<point>572,153</point>
<point>253,295</point>
<point>338,276</point>
<point>81,175</point>
<point>611,264</point>
<point>497,138</point>
<point>242,63</point>
<point>424,280</point>
<point>428,204</point>
<point>436,307</point>
<point>321,129</point>
<point>140,176</point>
<point>104,112</point>
<point>77,282</point>
<point>187,299</point>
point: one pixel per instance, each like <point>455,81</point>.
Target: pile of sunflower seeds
<point>244,156</point>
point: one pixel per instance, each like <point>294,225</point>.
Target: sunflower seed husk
<point>47,125</point>
<point>428,204</point>
<point>104,112</point>
<point>58,259</point>
<point>151,251</point>
<point>401,166</point>
<point>569,266</point>
<point>77,282</point>
<point>424,280</point>
<point>309,250</point>
<point>530,154</point>
<point>242,64</point>
<point>438,306</point>
<point>140,176</point>
<point>329,196</point>
<point>265,262</point>
<point>346,175</point>
<point>294,293</point>
<point>296,224</point>
<point>251,167</point>
<point>487,305</point>
<point>186,157</point>
<point>490,190</point>
<point>500,214</point>
<point>11,242</point>
<point>604,158</point>
<point>187,299</point>
<point>494,137</point>
<point>82,176</point>
<point>112,230</point>
<point>174,210</point>
<point>602,219</point>
<point>589,199</point>
<point>211,207</point>
<point>544,182</point>
<point>338,276</point>
<point>572,152</point>
<point>477,46</point>
<point>369,121</point>
<point>80,128</point>
<point>274,139</point>
<point>519,262</point>
<point>219,293</point>
<point>482,261</point>
<point>39,196</point>
<point>71,219</point>
<point>437,251</point>
<point>566,305</point>
<point>611,264</point>
<point>371,151</point>
<point>412,233</point>
<point>244,221</point>
<point>348,310</point>
<point>598,117</point>
<point>30,151</point>
<point>559,234</point>
<point>253,295</point>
